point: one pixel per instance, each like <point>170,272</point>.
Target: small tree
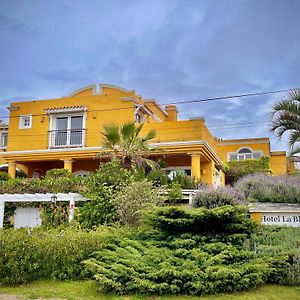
<point>133,199</point>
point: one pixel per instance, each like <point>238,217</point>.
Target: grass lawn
<point>87,290</point>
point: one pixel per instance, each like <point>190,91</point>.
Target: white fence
<point>72,198</point>
<point>189,194</point>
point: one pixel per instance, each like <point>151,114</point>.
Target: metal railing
<point>66,138</point>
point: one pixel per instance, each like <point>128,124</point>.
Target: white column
<point>1,213</point>
<point>71,209</point>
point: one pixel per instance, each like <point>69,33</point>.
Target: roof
<point>243,141</point>
<point>72,108</point>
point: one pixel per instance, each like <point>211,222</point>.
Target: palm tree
<point>286,118</point>
<point>124,141</point>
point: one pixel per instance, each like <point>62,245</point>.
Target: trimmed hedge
<point>238,169</point>
<point>27,255</point>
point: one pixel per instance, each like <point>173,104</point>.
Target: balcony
<point>67,138</point>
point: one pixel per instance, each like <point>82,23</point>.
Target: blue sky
<point>170,50</point>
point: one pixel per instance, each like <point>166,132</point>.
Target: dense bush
<point>264,188</point>
<point>135,198</point>
<point>4,176</point>
<point>185,181</point>
<point>159,177</point>
<point>191,252</point>
<point>239,169</point>
<point>27,255</point>
<point>131,266</point>
<point>275,241</point>
<point>225,220</point>
<point>174,193</point>
<point>101,188</point>
<point>211,198</point>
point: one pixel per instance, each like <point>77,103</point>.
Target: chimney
<point>172,112</point>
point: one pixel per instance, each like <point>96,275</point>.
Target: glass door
<point>61,133</point>
<point>76,130</point>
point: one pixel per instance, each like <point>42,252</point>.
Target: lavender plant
<point>211,198</point>
<point>264,188</point>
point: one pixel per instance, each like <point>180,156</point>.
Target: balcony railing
<point>67,138</point>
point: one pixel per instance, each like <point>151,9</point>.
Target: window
<point>25,122</point>
<point>67,131</point>
<point>3,139</point>
<point>244,153</point>
<point>82,173</point>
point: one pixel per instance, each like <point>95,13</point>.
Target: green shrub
<point>211,198</point>
<point>177,266</point>
<point>174,192</point>
<point>27,255</point>
<point>225,220</point>
<point>135,198</point>
<point>159,177</point>
<point>276,242</point>
<point>185,181</point>
<point>239,169</point>
<point>57,173</point>
<point>101,188</point>
<point>4,176</point>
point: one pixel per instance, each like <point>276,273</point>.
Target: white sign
<point>27,217</point>
<point>291,219</point>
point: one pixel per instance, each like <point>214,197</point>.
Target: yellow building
<point>3,144</point>
<point>65,133</point>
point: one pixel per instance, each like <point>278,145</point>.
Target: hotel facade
<point>66,133</point>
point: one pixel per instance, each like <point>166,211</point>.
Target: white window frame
<point>82,173</point>
<point>243,155</point>
<point>22,122</point>
<point>2,146</point>
<point>53,118</point>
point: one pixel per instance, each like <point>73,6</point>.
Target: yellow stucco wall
<point>2,161</point>
<point>37,136</point>
<point>181,131</point>
<point>256,216</point>
<point>291,167</point>
<point>278,163</point>
<point>257,144</point>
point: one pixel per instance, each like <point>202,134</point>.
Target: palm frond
<point>111,135</point>
<point>294,138</point>
<point>149,136</point>
<point>127,130</point>
<point>295,151</point>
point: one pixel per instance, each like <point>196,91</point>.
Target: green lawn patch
<point>87,290</point>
